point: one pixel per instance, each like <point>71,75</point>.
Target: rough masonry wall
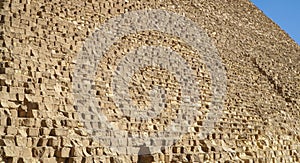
<point>41,39</point>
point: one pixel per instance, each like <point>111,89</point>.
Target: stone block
<point>45,131</point>
<point>48,160</point>
<point>10,130</point>
<point>63,152</point>
<point>75,159</point>
<point>25,152</point>
<point>76,151</point>
<point>59,132</point>
<point>27,160</point>
<point>21,141</point>
<point>53,141</point>
<point>11,151</point>
<point>9,140</point>
<point>33,132</point>
<point>66,142</point>
<point>42,142</point>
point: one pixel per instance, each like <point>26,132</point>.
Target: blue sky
<point>285,13</point>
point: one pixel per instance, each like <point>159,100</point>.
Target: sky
<point>285,13</point>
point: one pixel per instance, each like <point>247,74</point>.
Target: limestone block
<point>33,132</point>
<point>2,129</point>
<point>21,141</point>
<point>75,159</point>
<point>9,140</point>
<point>42,142</point>
<point>28,122</point>
<point>10,130</point>
<point>87,159</point>
<point>13,112</point>
<point>53,141</point>
<point>63,152</point>
<point>43,152</point>
<point>66,142</point>
<point>25,152</point>
<point>11,151</point>
<point>59,132</point>
<point>76,151</point>
<point>48,160</point>
<point>27,160</point>
<point>9,104</point>
<point>4,96</point>
<point>35,141</point>
<point>45,131</point>
<point>47,123</point>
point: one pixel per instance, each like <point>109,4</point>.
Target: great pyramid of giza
<point>146,81</point>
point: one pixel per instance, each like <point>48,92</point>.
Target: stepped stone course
<point>41,39</point>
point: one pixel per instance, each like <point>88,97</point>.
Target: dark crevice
<point>144,155</point>
<point>278,89</point>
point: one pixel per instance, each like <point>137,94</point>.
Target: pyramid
<point>146,81</point>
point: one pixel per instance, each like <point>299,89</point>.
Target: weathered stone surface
<point>11,151</point>
<point>41,40</point>
<point>64,152</point>
<point>11,130</point>
<point>34,132</point>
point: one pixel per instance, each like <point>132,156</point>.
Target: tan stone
<point>9,140</point>
<point>10,130</point>
<point>64,152</point>
<point>8,104</point>
<point>25,152</point>
<point>11,151</point>
<point>41,40</point>
<point>48,160</point>
<point>33,132</point>
<point>21,141</point>
<point>76,151</point>
<point>76,159</point>
<point>59,132</point>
